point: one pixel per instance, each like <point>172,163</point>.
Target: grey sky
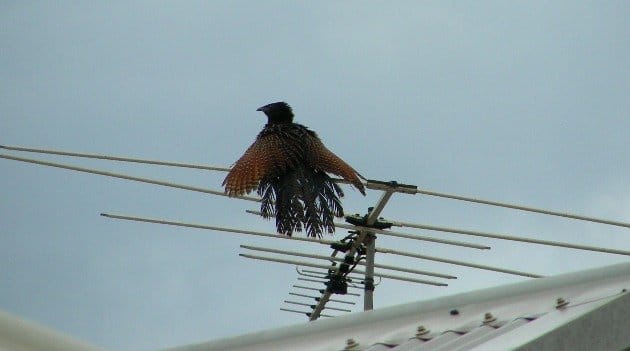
<point>525,102</point>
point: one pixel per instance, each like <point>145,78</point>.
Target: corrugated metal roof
<point>578,311</point>
<point>587,310</point>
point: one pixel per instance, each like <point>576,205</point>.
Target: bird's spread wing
<point>325,160</point>
<point>264,158</point>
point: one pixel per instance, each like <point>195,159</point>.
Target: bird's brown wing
<point>327,161</point>
<point>264,158</point>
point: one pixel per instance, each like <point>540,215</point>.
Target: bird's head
<point>278,112</point>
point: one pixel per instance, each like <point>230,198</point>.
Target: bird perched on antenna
<point>287,164</point>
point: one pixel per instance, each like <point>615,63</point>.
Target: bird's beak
<point>259,109</point>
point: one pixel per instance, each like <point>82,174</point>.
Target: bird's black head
<point>278,112</point>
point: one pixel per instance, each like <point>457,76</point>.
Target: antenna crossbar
<point>370,184</point>
<point>336,259</point>
<point>115,158</point>
<point>317,276</point>
<point>401,235</point>
<point>458,263</point>
<point>336,268</point>
<point>124,176</point>
<point>302,312</point>
<point>525,208</point>
<point>325,282</point>
<point>349,276</point>
<point>215,228</point>
<point>313,306</point>
<point>511,238</point>
<point>324,242</point>
<point>320,290</point>
<point>316,298</point>
<point>414,237</point>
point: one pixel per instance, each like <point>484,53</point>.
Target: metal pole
<point>326,295</point>
<point>370,244</point>
<point>368,296</point>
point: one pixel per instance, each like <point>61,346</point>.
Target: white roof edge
<point>20,335</point>
<point>414,308</point>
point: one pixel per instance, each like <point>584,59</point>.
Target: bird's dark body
<point>299,196</point>
<point>287,164</point>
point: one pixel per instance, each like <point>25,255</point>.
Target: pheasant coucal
<point>287,164</point>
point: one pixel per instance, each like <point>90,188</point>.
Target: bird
<point>288,165</point>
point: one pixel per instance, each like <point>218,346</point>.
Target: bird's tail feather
<point>302,199</point>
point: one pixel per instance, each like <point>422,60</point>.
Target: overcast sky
<point>524,102</point>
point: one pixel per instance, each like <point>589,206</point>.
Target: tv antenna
<point>352,266</point>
